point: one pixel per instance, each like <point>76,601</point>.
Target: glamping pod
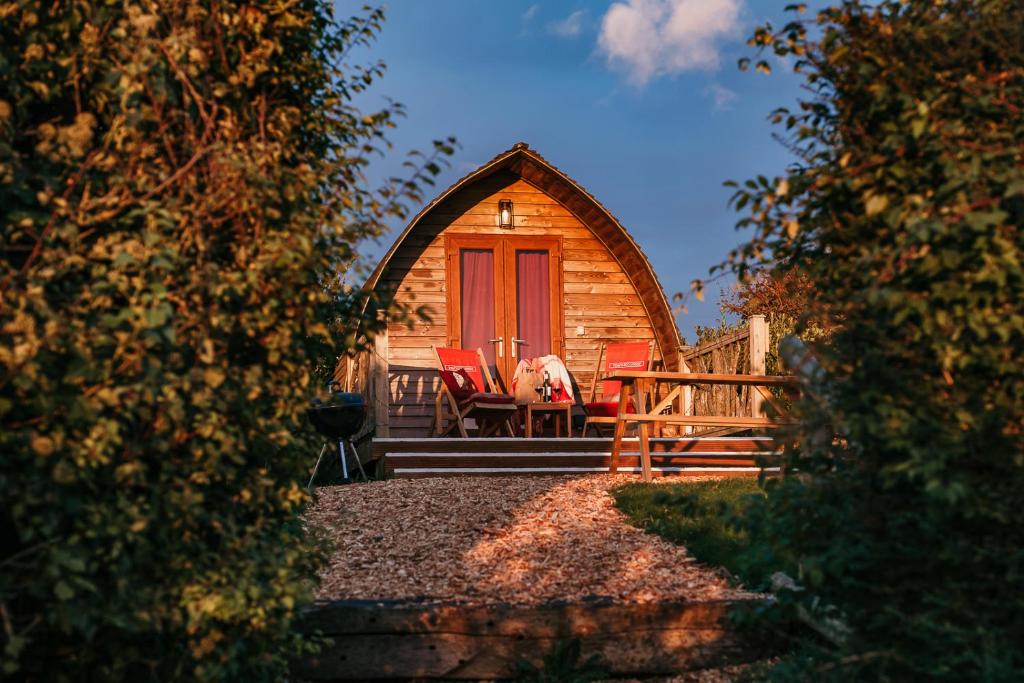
<point>519,260</point>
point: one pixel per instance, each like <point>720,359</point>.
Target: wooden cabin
<point>561,276</point>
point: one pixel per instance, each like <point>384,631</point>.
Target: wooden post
<point>620,426</point>
<point>382,384</point>
<point>758,344</point>
<point>687,394</point>
<point>687,399</point>
<point>642,387</point>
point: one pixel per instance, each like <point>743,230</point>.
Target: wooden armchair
<point>612,357</point>
<point>464,395</point>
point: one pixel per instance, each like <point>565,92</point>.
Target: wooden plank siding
<point>599,295</point>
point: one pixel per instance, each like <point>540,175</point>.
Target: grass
<point>706,517</point>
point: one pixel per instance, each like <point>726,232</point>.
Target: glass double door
<point>505,297</point>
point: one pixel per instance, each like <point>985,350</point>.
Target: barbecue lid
<point>335,397</point>
<point>339,399</point>
<point>337,414</point>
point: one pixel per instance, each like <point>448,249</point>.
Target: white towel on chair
<point>556,369</point>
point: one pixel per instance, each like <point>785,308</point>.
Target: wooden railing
<point>643,402</point>
<point>742,352</point>
<point>356,374</point>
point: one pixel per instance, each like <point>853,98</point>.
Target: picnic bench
<point>642,385</point>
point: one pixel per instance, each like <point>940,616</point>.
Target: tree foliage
<point>786,295</point>
<point>180,185</point>
<point>905,213</point>
<point>784,299</point>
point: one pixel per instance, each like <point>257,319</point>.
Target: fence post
<point>758,345</point>
<point>687,397</point>
<point>381,381</point>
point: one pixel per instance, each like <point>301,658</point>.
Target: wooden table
<point>638,385</point>
<point>556,408</point>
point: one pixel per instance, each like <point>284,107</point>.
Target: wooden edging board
<point>380,640</point>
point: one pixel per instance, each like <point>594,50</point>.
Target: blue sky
<point>640,101</point>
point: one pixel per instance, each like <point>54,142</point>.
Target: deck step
<point>759,444</point>
<point>406,458</point>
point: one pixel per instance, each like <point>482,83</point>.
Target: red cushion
<point>460,382</point>
<point>463,392</point>
<point>483,400</point>
<point>606,408</point>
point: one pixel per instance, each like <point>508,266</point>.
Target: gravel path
<point>516,540</point>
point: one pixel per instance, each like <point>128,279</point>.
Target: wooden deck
<point>723,455</point>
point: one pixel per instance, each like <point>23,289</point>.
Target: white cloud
<point>571,26</point>
<point>650,38</point>
<point>530,12</point>
<point>722,96</point>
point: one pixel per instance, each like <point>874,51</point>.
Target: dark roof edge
<point>485,170</point>
<point>496,164</point>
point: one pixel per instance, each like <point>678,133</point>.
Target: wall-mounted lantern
<point>505,213</point>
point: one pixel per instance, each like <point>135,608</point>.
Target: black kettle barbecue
<point>338,416</point>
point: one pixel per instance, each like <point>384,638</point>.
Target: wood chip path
<point>512,540</point>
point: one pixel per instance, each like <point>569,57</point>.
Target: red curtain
<point>533,303</point>
<point>478,301</point>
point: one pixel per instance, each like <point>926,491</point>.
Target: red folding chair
<point>464,395</point>
<point>625,356</point>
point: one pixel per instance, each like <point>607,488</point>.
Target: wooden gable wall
<point>598,293</point>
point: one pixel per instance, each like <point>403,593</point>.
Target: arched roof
<point>527,164</point>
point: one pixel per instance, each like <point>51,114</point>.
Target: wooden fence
<point>742,352</point>
<point>356,374</point>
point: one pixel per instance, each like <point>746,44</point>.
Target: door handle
<point>500,341</point>
<point>516,342</point>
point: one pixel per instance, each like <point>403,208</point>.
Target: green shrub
<point>179,188</point>
<point>905,211</point>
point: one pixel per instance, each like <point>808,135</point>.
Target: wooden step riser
<point>417,473</point>
<point>687,456</point>
<point>392,461</point>
<point>718,445</point>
